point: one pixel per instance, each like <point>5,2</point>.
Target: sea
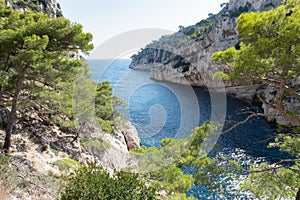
<point>162,110</point>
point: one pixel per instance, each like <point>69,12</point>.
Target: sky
<point>108,18</point>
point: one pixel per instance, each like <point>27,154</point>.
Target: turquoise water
<point>159,110</point>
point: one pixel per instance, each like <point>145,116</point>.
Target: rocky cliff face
<point>112,150</point>
<point>50,7</point>
<point>186,56</point>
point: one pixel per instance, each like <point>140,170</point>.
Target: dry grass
<point>4,187</point>
<point>5,177</point>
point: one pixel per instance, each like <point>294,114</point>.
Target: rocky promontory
<point>185,57</point>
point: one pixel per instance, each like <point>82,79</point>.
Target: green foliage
<point>103,101</point>
<point>176,153</point>
<point>34,51</point>
<point>287,143</point>
<point>269,46</point>
<point>93,182</point>
<point>220,76</point>
<point>269,54</point>
<point>4,10</point>
<point>104,106</point>
<point>272,183</point>
<point>179,197</point>
<point>164,142</point>
<point>172,179</point>
<point>66,164</point>
<point>7,177</point>
<point>204,25</point>
<point>94,103</point>
<point>3,160</point>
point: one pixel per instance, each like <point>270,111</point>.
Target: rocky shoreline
<point>185,57</point>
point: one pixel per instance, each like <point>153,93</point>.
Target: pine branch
<point>277,166</point>
<point>246,120</point>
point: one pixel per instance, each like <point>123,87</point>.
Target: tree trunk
<point>1,93</point>
<point>298,195</point>
<point>12,115</point>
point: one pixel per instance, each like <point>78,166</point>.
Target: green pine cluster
<point>92,182</point>
<point>37,70</point>
<point>269,54</point>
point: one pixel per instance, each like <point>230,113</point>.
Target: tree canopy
<point>35,62</point>
<point>269,54</point>
<point>94,182</point>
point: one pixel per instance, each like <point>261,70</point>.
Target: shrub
<point>95,143</point>
<point>94,183</point>
<point>66,164</point>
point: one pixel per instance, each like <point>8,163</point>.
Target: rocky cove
<point>185,57</point>
<point>42,150</point>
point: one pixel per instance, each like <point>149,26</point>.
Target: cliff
<point>50,7</point>
<point>185,57</point>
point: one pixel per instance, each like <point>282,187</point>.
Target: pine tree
<point>269,54</point>
<point>34,51</point>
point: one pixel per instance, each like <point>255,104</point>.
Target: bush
<point>94,183</point>
<point>66,164</point>
<point>95,143</point>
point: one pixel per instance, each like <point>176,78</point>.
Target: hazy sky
<point>108,18</point>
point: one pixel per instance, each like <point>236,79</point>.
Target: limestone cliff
<point>50,7</point>
<point>185,57</point>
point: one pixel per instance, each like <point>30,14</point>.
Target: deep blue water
<point>160,110</point>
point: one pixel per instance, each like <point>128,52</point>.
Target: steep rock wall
<point>186,56</point>
<point>50,7</point>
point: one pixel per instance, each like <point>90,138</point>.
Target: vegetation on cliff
<point>49,7</point>
<point>40,62</point>
<point>37,71</point>
<point>35,68</point>
<point>269,54</point>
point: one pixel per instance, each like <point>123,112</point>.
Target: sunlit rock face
<point>185,57</point>
<point>50,7</point>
